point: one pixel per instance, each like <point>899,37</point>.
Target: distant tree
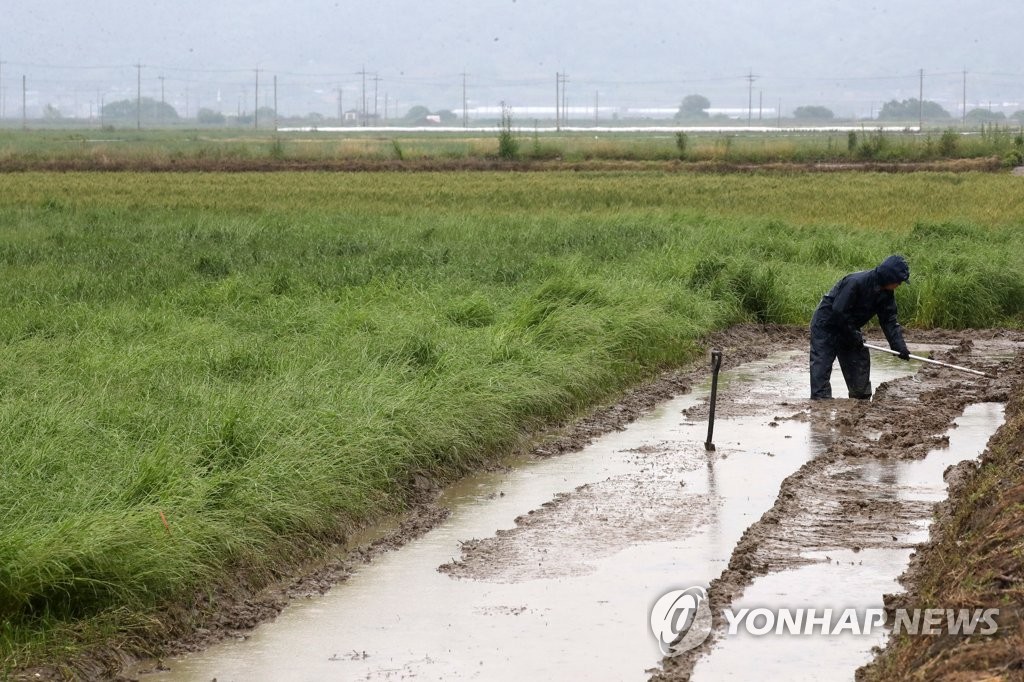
<point>693,107</point>
<point>148,108</point>
<point>51,113</point>
<point>985,116</point>
<point>417,114</point>
<point>813,113</point>
<point>209,117</point>
<point>315,117</point>
<point>266,115</point>
<point>910,109</point>
<point>1018,116</point>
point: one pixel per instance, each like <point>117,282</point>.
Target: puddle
<point>572,552</point>
<point>843,578</point>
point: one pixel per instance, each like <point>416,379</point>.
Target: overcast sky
<point>851,55</point>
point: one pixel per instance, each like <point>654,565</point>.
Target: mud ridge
<point>268,165</point>
<point>969,538</point>
<point>816,512</point>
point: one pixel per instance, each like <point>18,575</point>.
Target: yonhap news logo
<point>681,620</point>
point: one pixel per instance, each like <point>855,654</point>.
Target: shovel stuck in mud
<point>933,362</point>
<point>716,364</point>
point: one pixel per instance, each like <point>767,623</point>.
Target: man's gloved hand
<point>856,340</point>
<point>904,353</point>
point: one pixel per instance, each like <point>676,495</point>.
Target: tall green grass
<point>261,360</point>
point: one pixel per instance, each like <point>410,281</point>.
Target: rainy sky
<point>849,55</point>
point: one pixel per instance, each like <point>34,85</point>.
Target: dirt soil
<point>972,560</point>
<point>817,509</point>
<point>244,165</point>
<point>814,509</point>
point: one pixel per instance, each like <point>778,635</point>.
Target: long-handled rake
<point>933,362</point>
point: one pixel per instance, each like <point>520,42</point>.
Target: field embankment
<point>369,149</point>
<point>972,561</point>
<point>203,373</point>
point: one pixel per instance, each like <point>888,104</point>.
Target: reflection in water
<point>847,578</point>
<point>412,621</point>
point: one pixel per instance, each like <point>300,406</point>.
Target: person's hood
<point>892,270</point>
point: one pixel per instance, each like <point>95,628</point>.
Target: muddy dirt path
<point>841,506</point>
<point>790,482</point>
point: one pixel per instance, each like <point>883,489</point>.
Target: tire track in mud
<point>831,503</point>
<point>595,520</point>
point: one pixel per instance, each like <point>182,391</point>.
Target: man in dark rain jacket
<point>835,328</point>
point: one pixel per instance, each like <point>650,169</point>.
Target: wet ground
<point>548,568</point>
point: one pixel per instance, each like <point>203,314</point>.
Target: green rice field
<point>203,374</point>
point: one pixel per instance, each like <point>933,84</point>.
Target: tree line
<point>695,108</point>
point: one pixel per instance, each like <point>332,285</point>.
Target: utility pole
<point>920,103</point>
<point>963,114</point>
<point>465,105</point>
<point>750,96</point>
<point>558,99</point>
<point>465,114</point>
<point>275,102</point>
<point>565,99</point>
<point>362,110</point>
<point>561,111</point>
<point>256,108</point>
<point>376,81</point>
<point>341,113</point>
<point>138,96</point>
<point>760,104</point>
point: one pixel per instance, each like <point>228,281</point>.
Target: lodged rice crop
<point>200,373</point>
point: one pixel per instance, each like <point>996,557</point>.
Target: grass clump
<point>508,141</point>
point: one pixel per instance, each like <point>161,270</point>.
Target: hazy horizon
<point>848,56</point>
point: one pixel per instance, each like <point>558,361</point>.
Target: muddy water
<point>842,578</point>
<point>549,570</point>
